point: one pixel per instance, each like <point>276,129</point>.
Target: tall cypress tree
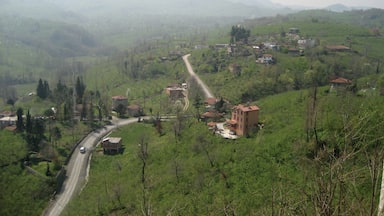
<point>80,89</point>
<point>43,90</point>
<point>47,91</point>
<point>28,123</point>
<point>20,123</point>
<point>40,89</point>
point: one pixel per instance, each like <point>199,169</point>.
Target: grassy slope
<point>18,187</point>
<point>253,167</point>
<point>269,172</point>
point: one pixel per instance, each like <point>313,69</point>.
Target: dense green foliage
<point>239,33</point>
<point>19,187</point>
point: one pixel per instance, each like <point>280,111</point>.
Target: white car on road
<point>82,150</point>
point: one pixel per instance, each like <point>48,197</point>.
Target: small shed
<point>111,144</point>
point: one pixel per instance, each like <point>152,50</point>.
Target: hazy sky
<point>324,3</point>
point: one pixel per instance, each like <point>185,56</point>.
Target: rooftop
<point>119,97</point>
<point>134,107</point>
<point>248,108</point>
<point>338,47</point>
<point>341,80</point>
<point>112,139</point>
<point>211,101</point>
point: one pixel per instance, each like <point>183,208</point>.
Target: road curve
<point>207,92</point>
<point>77,167</point>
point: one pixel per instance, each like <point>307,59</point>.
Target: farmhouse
<point>340,83</point>
<point>175,93</point>
<point>266,59</point>
<point>111,144</point>
<point>119,101</point>
<point>135,110</point>
<point>294,31</point>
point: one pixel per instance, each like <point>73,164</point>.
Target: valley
<point>313,77</point>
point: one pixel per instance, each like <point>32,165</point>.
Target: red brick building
<point>244,118</point>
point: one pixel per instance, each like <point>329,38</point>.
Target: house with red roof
<point>339,83</point>
<point>244,119</point>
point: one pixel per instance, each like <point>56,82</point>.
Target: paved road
<point>77,168</point>
<point>207,92</point>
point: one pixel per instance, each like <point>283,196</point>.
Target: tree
<point>61,93</point>
<point>11,101</point>
<point>239,33</point>
<point>42,89</point>
<point>143,155</point>
<point>55,134</point>
<point>38,131</point>
<point>19,123</point>
<point>80,89</point>
<point>47,91</point>
<point>121,110</point>
<point>84,110</point>
<point>28,123</point>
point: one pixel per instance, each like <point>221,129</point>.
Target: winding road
<point>78,166</point>
<point>207,92</point>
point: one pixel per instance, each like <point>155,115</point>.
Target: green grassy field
<point>204,174</point>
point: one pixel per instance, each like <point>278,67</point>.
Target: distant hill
<point>71,9</point>
<point>343,8</point>
<point>338,8</point>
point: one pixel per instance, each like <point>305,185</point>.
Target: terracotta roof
<point>134,107</point>
<point>119,97</point>
<point>246,108</point>
<point>7,113</point>
<point>211,124</point>
<point>337,47</point>
<point>231,122</point>
<point>173,85</point>
<point>210,115</point>
<point>211,101</point>
<point>341,80</point>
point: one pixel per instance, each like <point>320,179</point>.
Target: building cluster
<point>244,118</point>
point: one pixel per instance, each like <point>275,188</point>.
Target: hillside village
<point>261,48</point>
<point>294,107</point>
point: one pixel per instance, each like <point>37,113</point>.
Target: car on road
<point>82,150</point>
